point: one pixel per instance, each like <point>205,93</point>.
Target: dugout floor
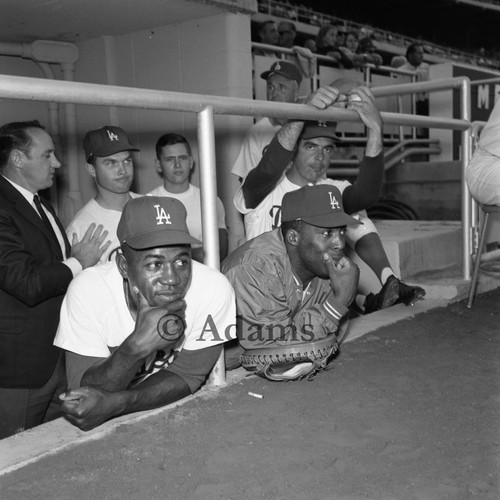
<point>409,411</point>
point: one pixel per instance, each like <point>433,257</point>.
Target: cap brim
<point>160,239</point>
<point>266,74</point>
<point>110,150</point>
<point>335,137</point>
<point>331,220</point>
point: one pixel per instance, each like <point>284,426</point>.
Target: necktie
<point>44,217</point>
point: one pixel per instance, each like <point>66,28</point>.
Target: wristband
<point>171,327</point>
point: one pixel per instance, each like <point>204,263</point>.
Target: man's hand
<point>289,134</point>
<point>148,335</point>
<point>88,407</point>
<point>344,278</point>
<point>323,97</point>
<point>89,250</point>
<point>361,100</point>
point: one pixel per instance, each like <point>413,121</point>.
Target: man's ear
<point>292,237</point>
<point>90,169</point>
<point>121,262</point>
<point>158,167</point>
<point>17,158</point>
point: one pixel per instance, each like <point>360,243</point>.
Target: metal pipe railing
<point>16,87</point>
<point>463,85</point>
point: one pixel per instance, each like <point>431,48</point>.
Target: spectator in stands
<point>352,41</point>
<point>398,61</point>
<point>366,49</point>
<point>268,34</point>
<point>415,62</point>
<point>310,44</point>
<point>287,33</point>
<point>175,163</point>
<point>341,34</point>
<point>351,51</point>
<point>327,44</point>
<point>482,174</point>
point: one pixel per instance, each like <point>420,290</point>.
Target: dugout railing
<point>16,87</point>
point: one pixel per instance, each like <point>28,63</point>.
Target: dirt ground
<point>410,411</point>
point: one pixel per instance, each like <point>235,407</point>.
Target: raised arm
<point>365,191</point>
<point>267,317</point>
<point>261,180</point>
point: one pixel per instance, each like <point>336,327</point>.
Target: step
<point>415,247</point>
<point>427,253</point>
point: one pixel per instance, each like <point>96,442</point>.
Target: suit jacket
<point>33,281</point>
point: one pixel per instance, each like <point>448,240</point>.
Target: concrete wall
<point>210,56</point>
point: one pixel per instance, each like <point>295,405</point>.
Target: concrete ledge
<point>48,439</point>
<point>414,247</point>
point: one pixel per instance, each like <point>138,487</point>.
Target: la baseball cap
<point>154,221</point>
<point>283,68</point>
<point>319,205</point>
<point>106,141</point>
<point>313,129</point>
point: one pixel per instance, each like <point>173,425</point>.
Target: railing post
<point>466,153</point>
<point>210,229</point>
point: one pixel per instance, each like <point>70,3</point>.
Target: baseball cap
<point>154,221</point>
<point>106,141</point>
<point>319,205</point>
<point>283,68</point>
<point>313,129</point>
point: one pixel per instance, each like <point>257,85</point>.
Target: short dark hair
<point>412,48</point>
<point>14,135</point>
<point>320,44</point>
<point>170,140</point>
<point>263,24</point>
<point>288,24</point>
<point>289,225</point>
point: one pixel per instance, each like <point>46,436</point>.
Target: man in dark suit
<point>37,264</point>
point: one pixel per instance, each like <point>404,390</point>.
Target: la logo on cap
<point>277,67</point>
<point>112,136</point>
<point>333,201</point>
<point>161,216</point>
<point>322,124</point>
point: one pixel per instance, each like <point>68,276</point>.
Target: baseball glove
<point>291,362</point>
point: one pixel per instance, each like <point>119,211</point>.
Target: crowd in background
<point>305,14</point>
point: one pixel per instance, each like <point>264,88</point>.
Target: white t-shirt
<point>267,216</point>
<point>92,212</point>
<point>191,199</point>
<point>95,317</point>
<point>257,138</point>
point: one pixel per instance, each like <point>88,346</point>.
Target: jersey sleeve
<point>221,214</point>
<point>80,329</point>
<point>215,319</point>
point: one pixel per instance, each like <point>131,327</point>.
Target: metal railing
<point>16,87</point>
<point>367,70</point>
<point>392,156</point>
